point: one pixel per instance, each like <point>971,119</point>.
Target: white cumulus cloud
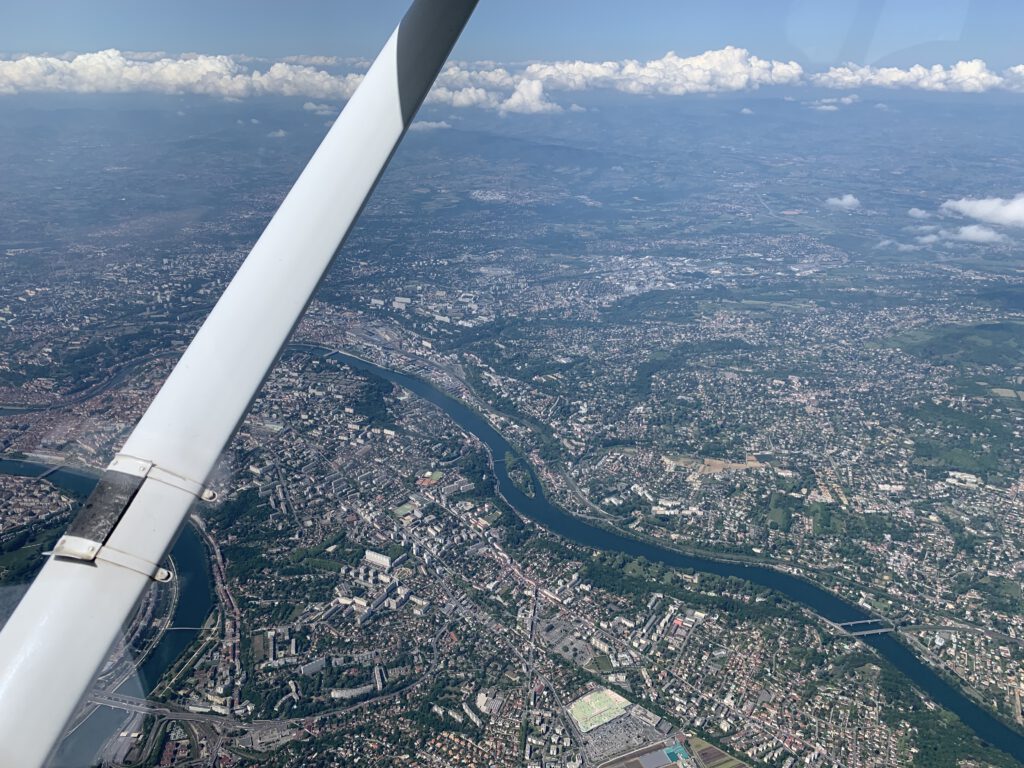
<point>918,213</point>
<point>845,203</point>
<point>324,110</point>
<point>993,210</point>
<point>972,76</point>
<point>464,97</point>
<point>455,77</point>
<point>972,233</point>
<point>429,125</point>
<point>900,247</point>
<point>528,99</point>
<point>833,103</point>
<point>112,71</point>
<point>976,233</point>
<point>726,69</point>
<point>1013,78</point>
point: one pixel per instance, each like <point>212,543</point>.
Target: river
<point>987,727</point>
<point>194,603</point>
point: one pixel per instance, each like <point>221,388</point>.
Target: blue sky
<point>897,32</point>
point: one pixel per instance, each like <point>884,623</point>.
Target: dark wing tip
<point>426,36</point>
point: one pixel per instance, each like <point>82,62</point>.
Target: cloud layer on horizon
<point>726,69</point>
<point>112,71</point>
<point>972,76</point>
<point>488,85</point>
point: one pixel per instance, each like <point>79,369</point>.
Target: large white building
<point>377,560</point>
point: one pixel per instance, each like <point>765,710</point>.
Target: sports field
<point>597,708</point>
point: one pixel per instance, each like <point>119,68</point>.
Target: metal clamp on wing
<point>133,465</point>
<point>102,511</point>
<point>87,537</point>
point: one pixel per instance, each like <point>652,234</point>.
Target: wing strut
<point>62,631</point>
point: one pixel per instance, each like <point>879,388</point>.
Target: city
<point>722,364</point>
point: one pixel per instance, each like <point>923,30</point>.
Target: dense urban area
<point>756,338</point>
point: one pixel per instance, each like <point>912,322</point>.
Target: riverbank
<point>193,604</point>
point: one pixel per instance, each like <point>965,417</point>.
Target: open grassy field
<point>597,708</point>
